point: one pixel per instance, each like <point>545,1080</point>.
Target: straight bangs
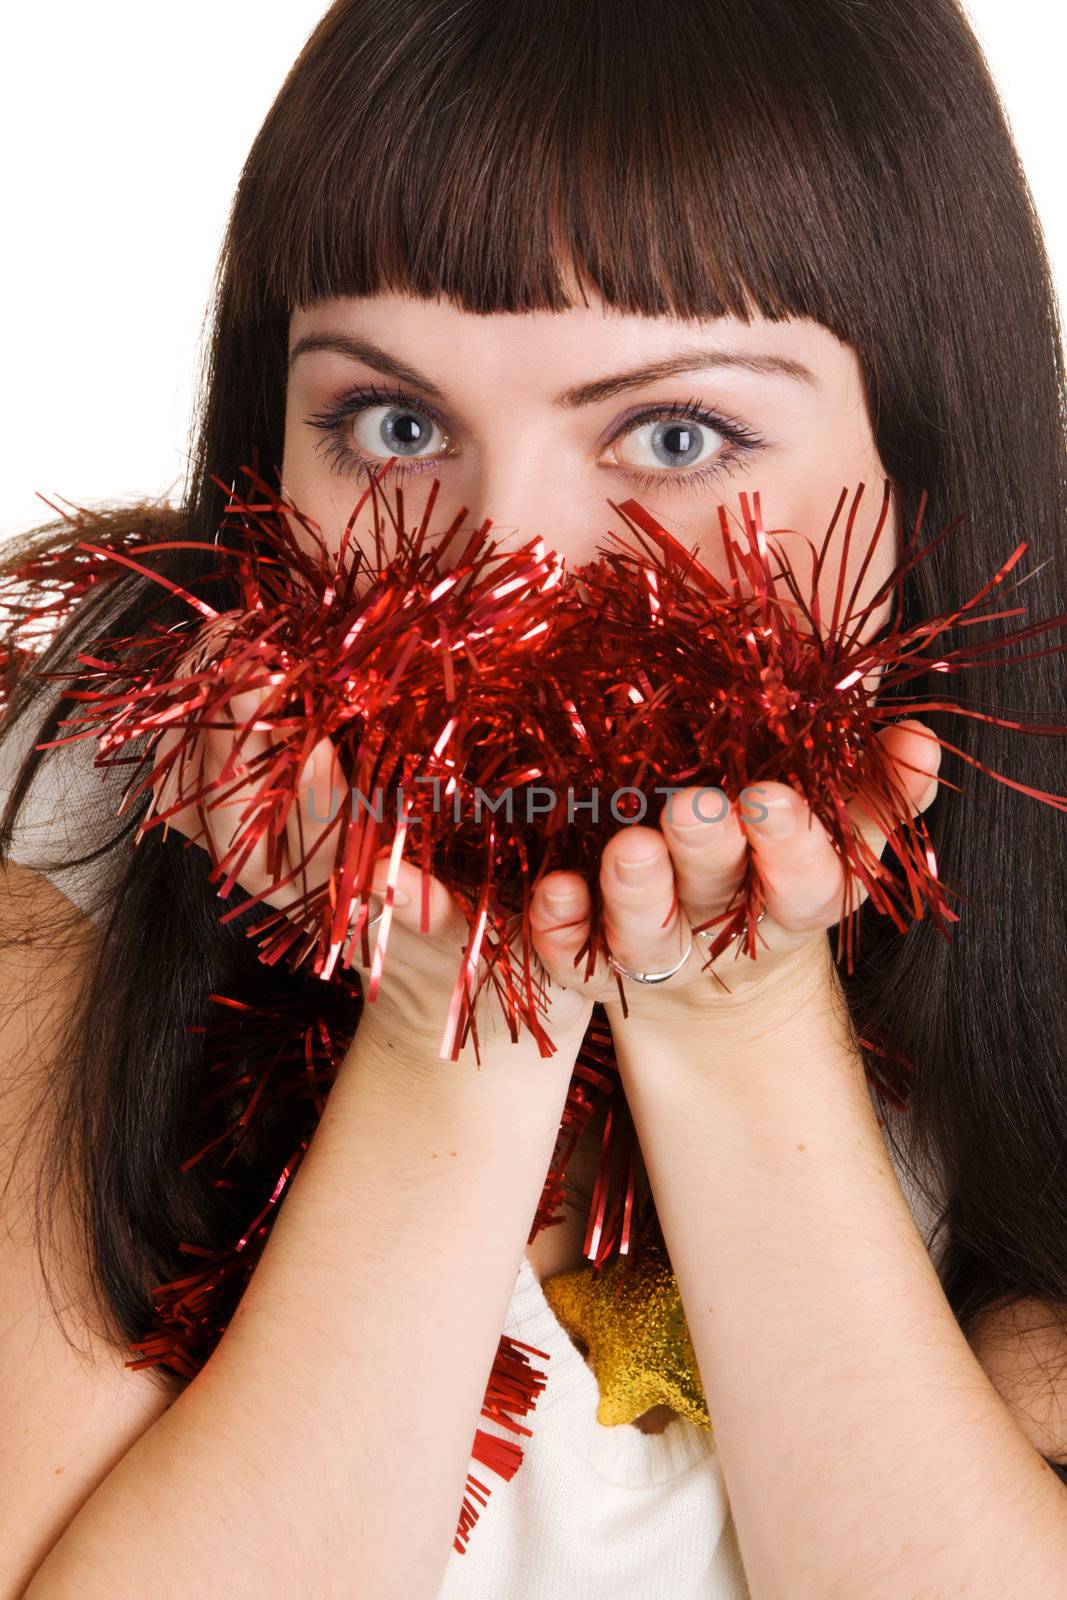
<point>671,162</point>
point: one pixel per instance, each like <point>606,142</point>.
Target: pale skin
<point>867,1447</point>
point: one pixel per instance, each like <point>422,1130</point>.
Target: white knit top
<point>593,1512</point>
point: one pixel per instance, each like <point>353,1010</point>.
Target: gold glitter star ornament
<point>631,1320</point>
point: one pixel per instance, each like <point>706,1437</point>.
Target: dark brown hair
<point>841,160</point>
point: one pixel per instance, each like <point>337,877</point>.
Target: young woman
<point>553,256</point>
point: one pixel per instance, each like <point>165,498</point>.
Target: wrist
<point>798,1006</point>
<point>417,1049</point>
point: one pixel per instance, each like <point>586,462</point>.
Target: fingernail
<point>637,872</point>
<point>706,806</point>
<point>780,821</point>
<point>399,898</point>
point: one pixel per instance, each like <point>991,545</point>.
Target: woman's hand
<point>420,968</point>
<point>658,883</point>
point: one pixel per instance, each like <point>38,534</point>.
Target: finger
<point>167,784</point>
<point>313,822</point>
<point>708,850</point>
<point>803,877</point>
<point>911,759</point>
<point>210,788</point>
<point>201,756</point>
<point>560,908</point>
<point>314,831</point>
<point>234,770</point>
<point>182,779</point>
<point>445,920</point>
<point>645,927</point>
<point>387,923</point>
<point>181,775</point>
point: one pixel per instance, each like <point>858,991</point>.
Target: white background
<point>124,126</point>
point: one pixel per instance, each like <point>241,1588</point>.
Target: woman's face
<point>536,420</point>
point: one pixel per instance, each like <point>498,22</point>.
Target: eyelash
<point>741,441</point>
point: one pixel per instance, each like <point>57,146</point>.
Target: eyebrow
<point>691,358</point>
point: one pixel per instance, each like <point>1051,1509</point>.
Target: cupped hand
<point>657,884</point>
<point>421,963</point>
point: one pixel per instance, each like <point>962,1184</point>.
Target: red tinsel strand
<point>513,1390</point>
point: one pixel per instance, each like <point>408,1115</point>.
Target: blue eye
<point>674,440</point>
<point>393,423</point>
<point>396,430</point>
<point>677,439</point>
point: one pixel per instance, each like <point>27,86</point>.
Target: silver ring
<point>346,942</point>
<point>651,977</point>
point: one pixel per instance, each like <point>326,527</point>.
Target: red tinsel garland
<point>447,675</point>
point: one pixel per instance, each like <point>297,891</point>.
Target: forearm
<point>864,1448</point>
<point>323,1448</point>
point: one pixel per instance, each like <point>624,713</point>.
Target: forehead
<point>431,334</point>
